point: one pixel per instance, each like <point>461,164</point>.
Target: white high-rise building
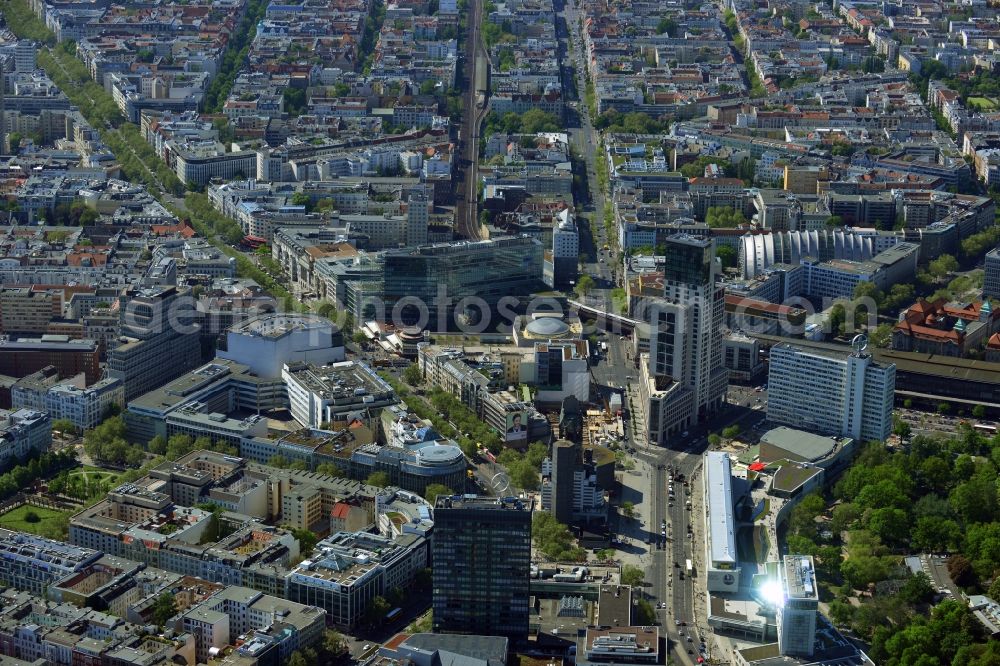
<point>798,607</point>
<point>831,392</point>
<point>565,239</point>
<point>563,268</point>
<point>685,379</point>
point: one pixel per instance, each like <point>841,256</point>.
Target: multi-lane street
<point>658,470</point>
<point>585,142</point>
<point>664,521</point>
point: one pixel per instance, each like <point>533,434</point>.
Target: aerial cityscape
<point>499,332</point>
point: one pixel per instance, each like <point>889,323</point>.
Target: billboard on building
<point>517,426</point>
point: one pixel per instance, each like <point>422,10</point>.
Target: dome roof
<point>547,327</point>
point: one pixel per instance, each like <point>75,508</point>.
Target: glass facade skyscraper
<point>684,381</point>
<point>688,261</point>
<point>482,566</point>
<point>430,281</point>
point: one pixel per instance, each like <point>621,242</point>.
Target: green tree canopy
<point>378,479</point>
<point>942,266</point>
<point>720,217</point>
<point>412,374</point>
<point>164,608</point>
<point>632,575</point>
<point>434,489</point>
<point>553,538</point>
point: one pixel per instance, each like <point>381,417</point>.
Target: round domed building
<point>543,327</point>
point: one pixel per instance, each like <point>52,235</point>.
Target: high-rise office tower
<point>831,392</point>
<point>574,480</point>
<point>991,275</point>
<point>563,268</point>
<point>159,339</point>
<point>798,607</point>
<point>685,379</point>
<point>565,460</point>
<point>417,218</point>
<point>482,565</point>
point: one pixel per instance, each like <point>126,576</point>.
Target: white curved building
<point>269,341</point>
<point>758,252</point>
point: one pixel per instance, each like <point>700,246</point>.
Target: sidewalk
<point>636,484</point>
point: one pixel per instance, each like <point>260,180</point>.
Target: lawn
<point>94,473</point>
<point>14,520</point>
<point>983,103</point>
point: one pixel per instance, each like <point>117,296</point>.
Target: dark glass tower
<point>482,565</point>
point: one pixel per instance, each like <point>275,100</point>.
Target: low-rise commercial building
<point>23,356</point>
<point>85,406</point>
<point>335,392</point>
<point>235,612</point>
<point>721,560</point>
<point>349,569</point>
<point>622,645</point>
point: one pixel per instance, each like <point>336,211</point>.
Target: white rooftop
<point>722,525</point>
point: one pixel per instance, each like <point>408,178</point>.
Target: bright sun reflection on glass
<point>772,592</point>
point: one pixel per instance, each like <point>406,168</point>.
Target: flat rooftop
<point>480,502</point>
<point>801,445</point>
<point>48,343</point>
<point>185,386</point>
<point>344,382</point>
<point>793,475</point>
<point>489,649</point>
<point>276,325</point>
<point>623,643</point>
<point>722,525</point>
<point>347,558</point>
<point>614,606</point>
<point>799,577</point>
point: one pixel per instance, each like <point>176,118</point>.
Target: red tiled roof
<point>754,304</point>
<point>183,228</point>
